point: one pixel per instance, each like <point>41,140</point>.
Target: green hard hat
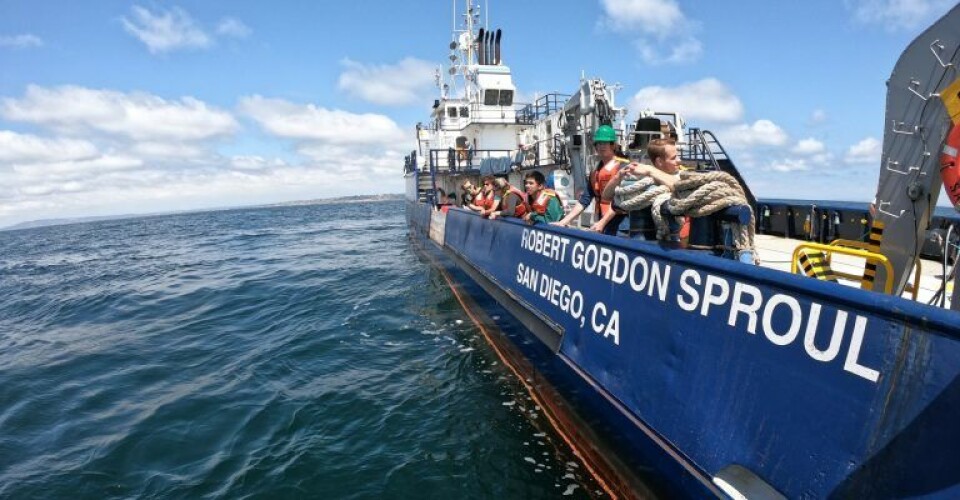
<point>605,133</point>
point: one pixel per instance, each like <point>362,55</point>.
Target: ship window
<point>506,97</point>
<point>452,112</point>
<point>490,97</point>
<point>464,112</point>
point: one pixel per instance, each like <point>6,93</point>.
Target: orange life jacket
<point>949,170</point>
<point>540,204</point>
<point>483,201</point>
<point>521,208</point>
<point>599,179</point>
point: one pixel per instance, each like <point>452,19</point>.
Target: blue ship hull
<point>683,366</point>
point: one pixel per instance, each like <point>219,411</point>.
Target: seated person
<point>545,205</point>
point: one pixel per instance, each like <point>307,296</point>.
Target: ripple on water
<point>276,352</point>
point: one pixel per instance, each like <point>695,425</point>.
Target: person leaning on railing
<point>604,140</point>
<point>468,192</point>
<point>512,201</point>
<point>545,204</point>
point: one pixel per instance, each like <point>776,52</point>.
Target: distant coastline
<point>372,198</point>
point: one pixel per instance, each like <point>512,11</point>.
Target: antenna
<point>486,12</point>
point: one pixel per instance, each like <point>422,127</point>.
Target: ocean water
<point>291,352</point>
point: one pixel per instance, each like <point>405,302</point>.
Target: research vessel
<point>782,349</point>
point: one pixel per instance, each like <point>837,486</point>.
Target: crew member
<point>545,205</point>
<point>604,140</point>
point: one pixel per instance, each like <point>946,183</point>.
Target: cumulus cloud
<point>72,169</point>
<point>867,151</point>
<point>20,41</point>
<point>759,133</point>
<point>307,122</point>
<point>103,151</point>
<point>137,116</point>
<point>808,147</point>
<point>666,34</point>
<point>708,99</point>
<point>255,163</point>
<point>659,18</point>
<point>898,15</point>
<point>405,82</point>
<point>174,29</point>
<point>790,165</point>
<point>20,148</point>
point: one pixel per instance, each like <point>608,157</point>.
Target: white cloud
<point>405,82</point>
<point>20,41</point>
<point>790,165</point>
<point>20,148</point>
<point>112,152</point>
<point>255,163</point>
<point>659,18</point>
<point>898,15</point>
<point>708,99</point>
<point>759,133</point>
<point>167,150</point>
<point>682,50</point>
<point>307,122</point>
<point>664,33</point>
<point>73,169</point>
<point>174,29</point>
<point>808,147</point>
<point>867,151</point>
<point>137,116</point>
<point>164,31</point>
<point>233,27</point>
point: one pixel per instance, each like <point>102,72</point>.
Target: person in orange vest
<point>604,141</point>
<point>484,199</point>
<point>512,202</point>
<point>545,204</point>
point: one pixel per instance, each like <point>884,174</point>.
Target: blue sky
<point>130,107</point>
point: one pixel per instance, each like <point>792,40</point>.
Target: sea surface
<point>287,352</point>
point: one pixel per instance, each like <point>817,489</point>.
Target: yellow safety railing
<point>831,249</point>
<point>913,288</point>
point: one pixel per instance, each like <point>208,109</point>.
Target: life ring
<point>949,170</point>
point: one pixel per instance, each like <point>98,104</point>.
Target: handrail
<point>854,252</point>
<point>914,287</point>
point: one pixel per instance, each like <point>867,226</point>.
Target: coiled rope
<point>694,195</point>
<point>646,193</point>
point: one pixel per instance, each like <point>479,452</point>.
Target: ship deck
<point>775,253</point>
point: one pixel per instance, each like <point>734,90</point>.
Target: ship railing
<point>529,114</point>
<point>549,152</point>
<point>703,151</point>
<point>463,160</point>
<point>703,148</point>
<point>827,252</point>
